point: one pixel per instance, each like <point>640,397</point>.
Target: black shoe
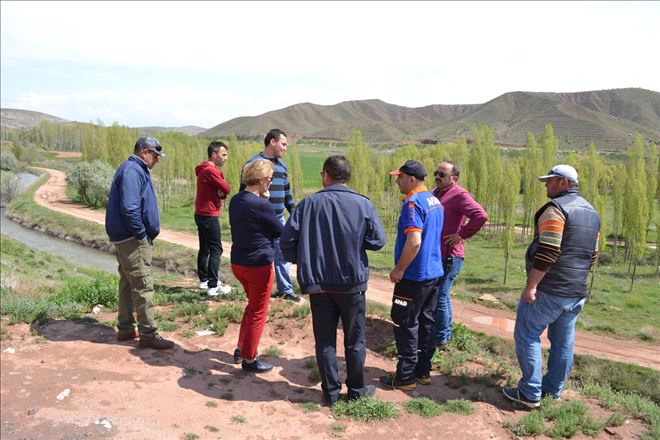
<point>553,397</point>
<point>289,296</point>
<point>238,357</point>
<point>257,366</point>
<point>515,395</point>
<point>390,381</point>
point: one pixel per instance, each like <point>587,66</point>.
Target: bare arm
<point>410,250</point>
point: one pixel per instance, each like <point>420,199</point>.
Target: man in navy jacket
<point>327,236</point>
<point>132,222</point>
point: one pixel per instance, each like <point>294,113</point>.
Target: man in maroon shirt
<point>459,206</point>
<point>211,190</point>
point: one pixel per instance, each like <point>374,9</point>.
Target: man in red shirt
<point>211,190</point>
<point>459,206</point>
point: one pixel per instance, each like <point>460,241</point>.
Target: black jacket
<point>327,236</point>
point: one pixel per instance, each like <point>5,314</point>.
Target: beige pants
<point>136,287</point>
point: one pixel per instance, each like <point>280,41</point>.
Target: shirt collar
<point>420,188</point>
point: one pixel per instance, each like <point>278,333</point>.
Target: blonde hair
<point>257,170</point>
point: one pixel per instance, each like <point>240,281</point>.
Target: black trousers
<point>413,315</point>
<point>327,309</point>
<point>210,248</point>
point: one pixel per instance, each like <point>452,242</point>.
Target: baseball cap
<point>149,143</point>
<point>411,168</point>
<point>565,171</point>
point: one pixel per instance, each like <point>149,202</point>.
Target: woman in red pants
<point>254,225</point>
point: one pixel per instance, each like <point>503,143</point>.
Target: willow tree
<point>617,185</point>
<point>508,191</point>
<point>549,146</point>
<point>651,181</point>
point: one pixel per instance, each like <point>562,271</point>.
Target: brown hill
<point>607,117</point>
<point>15,119</point>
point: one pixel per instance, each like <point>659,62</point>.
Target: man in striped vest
<point>275,144</point>
<point>558,262</point>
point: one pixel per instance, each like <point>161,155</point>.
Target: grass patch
<point>337,430</point>
<point>225,313</point>
<point>308,407</point>
<point>238,420</point>
<point>314,375</point>
<point>458,406</point>
<point>168,326</point>
<point>423,406</point>
<point>210,428</point>
<point>273,351</point>
<point>190,436</point>
<point>366,408</point>
<point>212,404</point>
<point>532,423</point>
<point>302,311</point>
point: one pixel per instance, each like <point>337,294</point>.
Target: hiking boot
<point>258,366</point>
<point>127,335</point>
<point>204,285</point>
<point>156,341</point>
<point>391,381</point>
<point>238,357</point>
<point>515,395</point>
<point>423,379</point>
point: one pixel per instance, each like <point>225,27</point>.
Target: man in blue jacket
<point>327,236</point>
<point>132,222</point>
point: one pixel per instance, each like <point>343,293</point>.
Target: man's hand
<point>452,239</point>
<point>142,241</point>
<point>396,275</point>
<point>529,295</point>
<point>221,194</point>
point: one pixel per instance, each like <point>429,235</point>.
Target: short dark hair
<point>338,168</point>
<point>214,147</point>
<point>455,170</point>
<point>275,133</point>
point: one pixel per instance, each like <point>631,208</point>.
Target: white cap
<point>565,171</point>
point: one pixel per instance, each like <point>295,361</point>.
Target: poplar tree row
<point>503,181</point>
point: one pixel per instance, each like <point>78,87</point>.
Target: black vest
<point>568,276</point>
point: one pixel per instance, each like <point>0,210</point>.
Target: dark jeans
<point>443,314</point>
<point>413,315</point>
<point>327,308</point>
<point>210,249</point>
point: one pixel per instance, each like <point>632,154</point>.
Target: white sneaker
<point>204,285</point>
<point>213,291</point>
<point>224,288</point>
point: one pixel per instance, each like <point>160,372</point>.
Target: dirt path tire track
<point>494,322</point>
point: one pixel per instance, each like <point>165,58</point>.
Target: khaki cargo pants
<point>136,287</point>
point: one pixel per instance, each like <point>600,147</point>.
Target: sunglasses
<point>440,174</point>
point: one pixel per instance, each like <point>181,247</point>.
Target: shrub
<point>92,181</point>
<point>8,187</point>
<point>8,161</point>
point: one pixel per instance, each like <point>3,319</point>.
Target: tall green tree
<point>509,190</point>
<point>360,159</point>
<point>635,207</point>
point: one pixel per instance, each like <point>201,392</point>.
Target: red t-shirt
<point>210,180</point>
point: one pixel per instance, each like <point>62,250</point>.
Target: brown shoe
<point>127,335</point>
<point>155,342</point>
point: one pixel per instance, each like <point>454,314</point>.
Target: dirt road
<point>493,322</point>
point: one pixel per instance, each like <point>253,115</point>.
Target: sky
<point>173,64</point>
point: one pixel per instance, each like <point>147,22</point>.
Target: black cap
<point>149,143</point>
<point>411,168</point>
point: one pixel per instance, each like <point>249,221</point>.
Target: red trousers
<point>257,283</point>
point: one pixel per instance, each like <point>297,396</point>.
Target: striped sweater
<point>551,229</point>
<point>280,190</point>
